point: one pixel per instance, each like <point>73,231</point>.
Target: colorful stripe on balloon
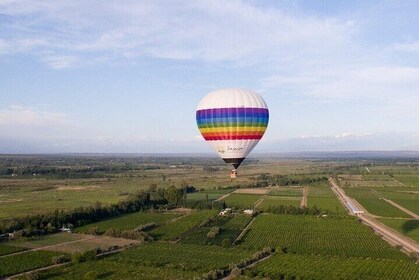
<point>232,123</point>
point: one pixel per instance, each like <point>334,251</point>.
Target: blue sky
<point>126,76</point>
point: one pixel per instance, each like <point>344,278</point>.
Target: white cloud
<point>407,47</point>
<point>209,31</point>
<point>16,115</point>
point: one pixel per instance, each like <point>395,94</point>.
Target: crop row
<point>241,200</point>
<point>6,249</point>
<point>14,264</point>
<point>174,229</point>
<point>314,235</point>
<point>130,221</point>
<point>186,257</point>
<point>291,266</point>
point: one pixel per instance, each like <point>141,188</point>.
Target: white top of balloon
<point>232,121</point>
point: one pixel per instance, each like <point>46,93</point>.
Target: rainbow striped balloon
<point>232,121</point>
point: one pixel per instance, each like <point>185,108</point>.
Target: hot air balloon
<point>232,121</point>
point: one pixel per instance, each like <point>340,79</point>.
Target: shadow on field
<point>410,225</point>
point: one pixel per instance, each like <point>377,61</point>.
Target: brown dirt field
<point>75,188</point>
<point>253,191</point>
<point>182,210</point>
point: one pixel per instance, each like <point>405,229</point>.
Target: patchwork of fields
<point>190,243</point>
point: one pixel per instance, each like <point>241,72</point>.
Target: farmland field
<point>311,247</point>
<point>286,191</point>
<point>374,204</point>
<point>407,199</point>
<point>335,267</point>
<point>6,249</point>
<point>312,235</point>
<point>279,200</point>
<point>203,196</point>
<point>172,230</point>
<point>241,200</point>
<point>155,261</point>
<point>230,228</point>
<point>322,197</point>
<point>130,221</point>
<point>10,265</point>
<point>52,239</point>
<point>408,227</point>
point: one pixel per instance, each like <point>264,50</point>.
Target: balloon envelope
<point>232,121</point>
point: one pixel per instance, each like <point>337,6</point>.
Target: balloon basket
<point>233,174</point>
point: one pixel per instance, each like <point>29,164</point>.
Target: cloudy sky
<point>126,76</point>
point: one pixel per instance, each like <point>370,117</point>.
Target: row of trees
<point>289,209</point>
<point>51,222</point>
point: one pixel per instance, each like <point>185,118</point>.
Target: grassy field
<point>408,180</point>
<point>291,266</point>
<point>374,204</point>
<point>69,242</point>
<point>241,200</point>
<point>47,240</point>
<point>286,191</point>
<point>155,261</point>
<point>131,221</point>
<point>6,249</point>
<point>173,230</point>
<point>321,196</point>
<point>279,200</point>
<point>410,227</point>
<point>405,198</point>
<point>10,265</point>
<point>313,235</point>
<point>203,196</point>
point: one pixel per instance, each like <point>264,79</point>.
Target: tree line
<point>39,224</point>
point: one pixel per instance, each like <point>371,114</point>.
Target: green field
<point>323,197</point>
<point>374,204</point>
<point>410,227</point>
<point>407,199</point>
<point>14,264</point>
<point>313,235</point>
<point>6,249</point>
<point>307,247</point>
<point>203,196</point>
<point>290,266</point>
<point>408,180</point>
<point>279,200</point>
<point>154,261</point>
<point>241,200</point>
<point>47,240</point>
<point>286,191</point>
<point>230,228</point>
<point>173,230</point>
<point>130,221</point>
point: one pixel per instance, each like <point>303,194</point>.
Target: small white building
<point>248,212</point>
<point>224,212</point>
<point>65,229</point>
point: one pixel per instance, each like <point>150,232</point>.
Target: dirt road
<point>88,237</point>
<point>407,211</point>
<point>304,198</point>
<point>391,236</point>
<point>224,196</point>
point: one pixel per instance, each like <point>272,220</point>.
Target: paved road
<point>390,235</point>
